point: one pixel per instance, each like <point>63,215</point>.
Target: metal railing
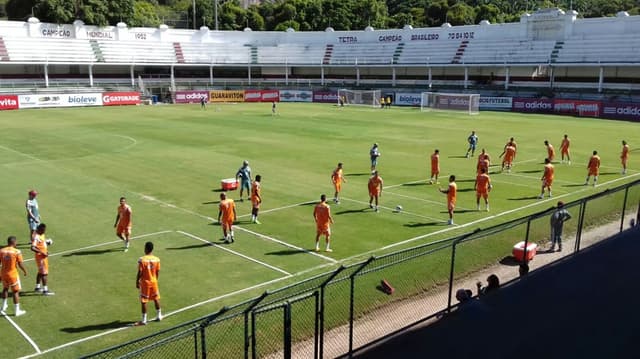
<point>336,313</point>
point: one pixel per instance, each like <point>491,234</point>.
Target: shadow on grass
<point>103,326</point>
<point>93,252</point>
<point>424,224</point>
<point>287,252</point>
<point>357,174</point>
<point>522,198</point>
<point>193,246</point>
<point>421,183</point>
<point>609,173</point>
<point>218,190</point>
<point>510,261</point>
<point>212,202</point>
<point>348,211</point>
<point>465,180</point>
<point>457,157</point>
<point>574,185</point>
<point>530,171</point>
<point>311,203</point>
<point>465,189</point>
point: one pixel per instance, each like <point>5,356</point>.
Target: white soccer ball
<point>49,241</point>
<point>399,208</point>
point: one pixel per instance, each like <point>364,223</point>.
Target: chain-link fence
<point>335,313</point>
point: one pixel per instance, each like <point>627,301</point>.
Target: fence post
<point>624,208</point>
<point>319,349</point>
<point>352,301</point>
<point>583,205</point>
<point>247,338</point>
<point>205,323</point>
<point>526,241</point>
<point>287,330</point>
<point>453,262</point>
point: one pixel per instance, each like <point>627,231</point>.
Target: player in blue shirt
<point>473,142</point>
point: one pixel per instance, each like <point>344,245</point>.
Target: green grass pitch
<point>168,161</point>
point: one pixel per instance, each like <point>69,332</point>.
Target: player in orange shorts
<point>509,155</point>
<point>226,217</point>
<point>594,168</point>
<point>147,282</point>
<point>322,216</point>
<point>256,199</point>
<point>11,260</point>
<point>451,193</point>
<point>483,187</point>
<point>123,222</point>
<point>337,178</point>
<point>564,149</point>
<point>547,177</point>
<point>624,156</point>
<point>40,245</point>
<point>435,166</point>
<point>551,152</point>
<point>375,189</point>
<point>511,142</point>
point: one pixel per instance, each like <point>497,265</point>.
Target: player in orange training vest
<point>547,177</point>
<point>594,168</point>
<point>483,187</point>
<point>226,217</point>
<point>564,149</point>
<point>484,161</point>
<point>509,155</point>
<point>11,259</point>
<point>551,152</point>
<point>375,189</point>
<point>624,156</point>
<point>322,216</point>
<point>451,197</point>
<point>337,178</point>
<point>147,282</point>
<point>435,166</point>
<point>256,199</point>
<point>123,222</point>
<point>40,246</point>
<point>512,143</point>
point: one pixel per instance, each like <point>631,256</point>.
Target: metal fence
<point>336,313</point>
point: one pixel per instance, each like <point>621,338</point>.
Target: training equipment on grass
<point>518,251</point>
<point>437,101</point>
<point>398,208</point>
<point>229,184</point>
<point>49,241</point>
<point>386,287</point>
<point>360,97</point>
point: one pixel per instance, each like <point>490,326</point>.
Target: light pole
<point>194,14</point>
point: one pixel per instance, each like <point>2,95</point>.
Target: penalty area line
<point>100,245</point>
<point>234,252</point>
<point>22,332</point>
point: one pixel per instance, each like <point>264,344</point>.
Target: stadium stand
<point>29,49</point>
<point>363,54</point>
<point>293,54</point>
<point>508,51</point>
<point>131,52</point>
<point>599,49</point>
<point>216,53</point>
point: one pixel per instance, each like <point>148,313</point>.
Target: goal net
<point>469,103</point>
<point>360,97</point>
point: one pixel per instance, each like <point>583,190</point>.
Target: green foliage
<point>309,15</point>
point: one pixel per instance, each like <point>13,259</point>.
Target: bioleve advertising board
<point>407,99</point>
<point>60,100</point>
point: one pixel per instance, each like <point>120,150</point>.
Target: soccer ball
<point>49,241</point>
<point>398,208</point>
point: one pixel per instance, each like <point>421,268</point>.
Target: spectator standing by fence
<point>558,217</point>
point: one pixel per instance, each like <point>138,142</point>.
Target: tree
<point>144,14</point>
<point>461,14</point>
<point>19,10</point>
<point>488,12</point>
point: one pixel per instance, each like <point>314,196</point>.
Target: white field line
<point>279,208</point>
<point>393,209</point>
<point>481,219</point>
<point>28,338</point>
<point>21,153</point>
<point>101,245</point>
<point>441,203</point>
<point>539,178</point>
<point>493,180</point>
<point>237,227</point>
<point>234,252</point>
<point>133,143</point>
<point>286,244</point>
<point>404,184</point>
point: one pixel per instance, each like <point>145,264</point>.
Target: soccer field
<point>168,161</point>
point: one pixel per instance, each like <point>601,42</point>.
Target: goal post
<point>463,102</point>
<point>360,97</point>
